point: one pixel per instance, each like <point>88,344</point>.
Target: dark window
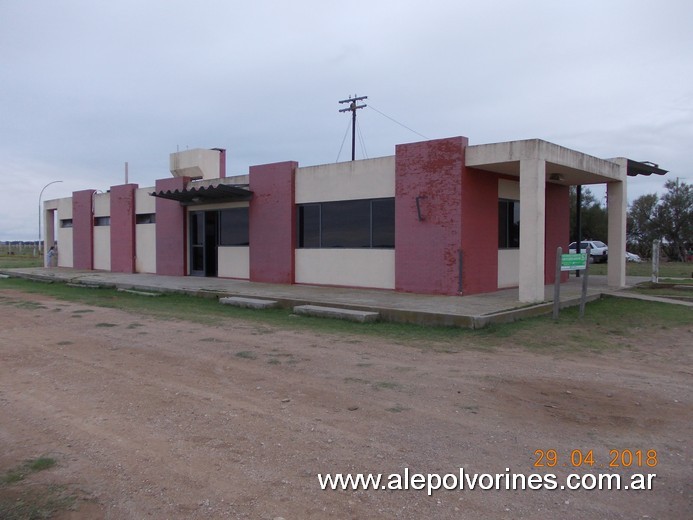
<point>309,225</point>
<point>233,227</point>
<point>351,224</point>
<point>146,218</point>
<point>346,224</point>
<point>102,221</point>
<point>66,223</point>
<point>508,224</point>
<point>383,223</point>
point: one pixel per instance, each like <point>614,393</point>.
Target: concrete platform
<point>248,303</point>
<point>337,313</point>
<point>473,311</point>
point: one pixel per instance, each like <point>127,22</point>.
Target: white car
<point>599,251</point>
<point>632,257</point>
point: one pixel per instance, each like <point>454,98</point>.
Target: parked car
<point>632,257</point>
<point>599,251</point>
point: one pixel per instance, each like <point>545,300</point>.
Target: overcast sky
<point>87,85</point>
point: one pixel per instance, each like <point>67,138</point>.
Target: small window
<point>508,224</point>
<point>102,221</point>
<point>66,223</point>
<point>146,218</point>
<point>234,227</point>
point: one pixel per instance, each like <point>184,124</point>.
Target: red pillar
<point>479,231</point>
<point>123,228</point>
<point>170,230</point>
<point>272,216</point>
<point>83,229</point>
<point>557,228</point>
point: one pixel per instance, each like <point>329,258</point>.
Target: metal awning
<point>206,194</point>
<point>644,168</point>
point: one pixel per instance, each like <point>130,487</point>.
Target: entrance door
<point>204,238</point>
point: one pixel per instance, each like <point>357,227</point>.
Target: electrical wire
<point>395,121</point>
<point>343,139</point>
<point>361,140</point>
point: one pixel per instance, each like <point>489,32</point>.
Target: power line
<point>343,139</point>
<point>362,141</point>
<point>395,121</point>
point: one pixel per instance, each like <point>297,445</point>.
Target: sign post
<point>570,262</point>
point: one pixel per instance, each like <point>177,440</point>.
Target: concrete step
<point>334,312</point>
<point>248,303</point>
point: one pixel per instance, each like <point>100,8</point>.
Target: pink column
<point>272,216</point>
<point>123,228</point>
<point>427,247</point>
<point>83,229</point>
<point>170,230</point>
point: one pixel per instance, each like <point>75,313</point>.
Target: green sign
<point>574,262</point>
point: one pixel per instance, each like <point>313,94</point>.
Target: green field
<point>10,261</point>
<point>666,269</point>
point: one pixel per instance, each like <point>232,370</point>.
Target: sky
<point>87,85</point>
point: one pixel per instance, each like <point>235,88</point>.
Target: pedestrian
<point>52,257</point>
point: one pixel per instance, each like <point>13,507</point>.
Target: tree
<point>593,217</point>
<point>642,225</point>
<point>675,219</point>
<point>669,219</point>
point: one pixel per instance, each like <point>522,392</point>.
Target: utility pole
<point>353,107</point>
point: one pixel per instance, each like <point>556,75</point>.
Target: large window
<point>354,224</point>
<point>508,224</point>
<point>233,227</point>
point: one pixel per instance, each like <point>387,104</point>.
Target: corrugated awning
<point>206,194</point>
<point>644,168</point>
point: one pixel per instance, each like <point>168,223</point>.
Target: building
<point>438,217</point>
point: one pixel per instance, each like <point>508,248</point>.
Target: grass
<point>666,269</point>
<point>10,261</point>
<point>35,504</point>
<point>568,333</point>
<point>30,466</point>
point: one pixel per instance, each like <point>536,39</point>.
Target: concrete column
<point>532,229</point>
<point>617,205</point>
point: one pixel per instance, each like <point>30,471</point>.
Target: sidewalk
<point>474,311</point>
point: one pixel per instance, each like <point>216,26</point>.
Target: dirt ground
<point>150,418</point>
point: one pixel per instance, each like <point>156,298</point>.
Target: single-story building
<point>438,217</point>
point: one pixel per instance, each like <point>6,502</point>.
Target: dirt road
<point>150,418</point>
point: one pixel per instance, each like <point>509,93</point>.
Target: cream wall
<point>64,235</point>
<point>508,268</point>
<point>102,234</point>
<point>145,234</point>
<point>145,248</point>
<point>144,202</point>
<point>353,180</point>
<point>102,248</point>
<point>234,262</point>
<point>508,189</point>
<point>348,267</point>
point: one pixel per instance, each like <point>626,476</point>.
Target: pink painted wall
<point>557,228</point>
<point>123,228</point>
<point>479,231</point>
<point>171,247</point>
<point>427,251</point>
<point>272,215</point>
<point>83,229</point>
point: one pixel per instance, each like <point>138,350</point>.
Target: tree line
<point>668,218</point>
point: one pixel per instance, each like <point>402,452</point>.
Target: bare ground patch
<point>177,423</point>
